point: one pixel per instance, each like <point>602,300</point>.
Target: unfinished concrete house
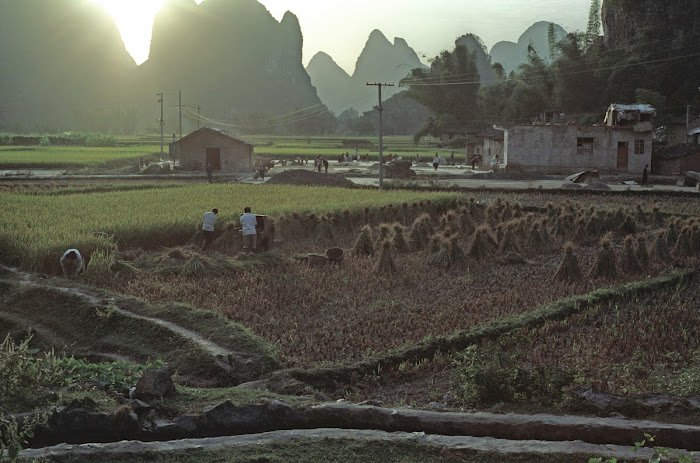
<point>206,146</point>
<point>621,145</point>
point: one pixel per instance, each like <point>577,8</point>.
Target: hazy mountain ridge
<point>68,62</point>
<point>234,59</point>
<point>68,68</point>
<point>511,55</point>
<point>379,61</point>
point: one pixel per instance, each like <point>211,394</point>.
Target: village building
<point>621,145</point>
<point>481,143</point>
<point>207,146</point>
<point>679,150</point>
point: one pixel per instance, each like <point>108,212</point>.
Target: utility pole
<point>179,107</point>
<point>160,100</point>
<point>687,122</point>
<point>198,119</point>
<point>381,148</point>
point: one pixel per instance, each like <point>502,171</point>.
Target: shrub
<point>23,371</point>
<point>489,379</point>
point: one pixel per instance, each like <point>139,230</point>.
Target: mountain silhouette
<point>379,61</point>
<point>511,55</point>
<point>62,64</point>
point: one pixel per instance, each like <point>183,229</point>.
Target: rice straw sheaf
<point>385,262</point>
<point>569,269</point>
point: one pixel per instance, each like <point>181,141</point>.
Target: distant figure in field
<point>474,163</point>
<point>325,164</point>
<point>417,159</point>
<point>357,155</point>
<point>494,164</point>
<point>436,161</point>
<point>248,224</point>
<point>645,174</point>
<point>210,172</point>
<point>452,159</point>
<point>208,222</point>
<point>71,263</point>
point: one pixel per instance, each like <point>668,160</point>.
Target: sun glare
<point>134,18</point>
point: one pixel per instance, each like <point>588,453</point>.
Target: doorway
<point>214,158</point>
<point>622,153</point>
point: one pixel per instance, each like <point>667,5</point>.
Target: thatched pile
<point>385,262</point>
<point>629,226</point>
<point>383,233</point>
<point>421,232</point>
<point>569,270</point>
<point>605,264</point>
<point>398,241</point>
<point>363,244</point>
<point>683,247</point>
<point>535,242</point>
<point>641,252</point>
<point>656,218</point>
<point>629,263</point>
<point>465,222</point>
<point>457,258</point>
<point>509,241</point>
<point>660,249</point>
<point>483,245</point>
<point>695,238</point>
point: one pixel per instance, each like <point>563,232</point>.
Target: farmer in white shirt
<point>248,223</point>
<point>71,263</point>
<point>208,222</point>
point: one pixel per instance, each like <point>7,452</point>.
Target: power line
<point>473,82</point>
<point>610,51</point>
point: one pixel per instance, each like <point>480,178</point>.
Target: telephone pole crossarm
<point>379,85</point>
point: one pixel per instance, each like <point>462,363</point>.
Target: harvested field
<point>330,314</point>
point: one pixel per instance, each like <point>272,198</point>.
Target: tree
<point>449,87</point>
<point>594,23</point>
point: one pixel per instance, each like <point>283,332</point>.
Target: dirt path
<point>210,347</point>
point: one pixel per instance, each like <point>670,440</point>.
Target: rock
<point>183,427</point>
<point>374,403</point>
<point>155,383</point>
<point>228,419</point>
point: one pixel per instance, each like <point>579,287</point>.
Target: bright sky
<point>341,27</point>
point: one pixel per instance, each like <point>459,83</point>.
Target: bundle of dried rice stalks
<point>569,270</point>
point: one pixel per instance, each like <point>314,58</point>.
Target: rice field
<point>148,146</point>
<point>61,157</point>
<point>36,228</point>
<point>332,146</point>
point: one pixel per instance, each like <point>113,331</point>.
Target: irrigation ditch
<point>274,419</point>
